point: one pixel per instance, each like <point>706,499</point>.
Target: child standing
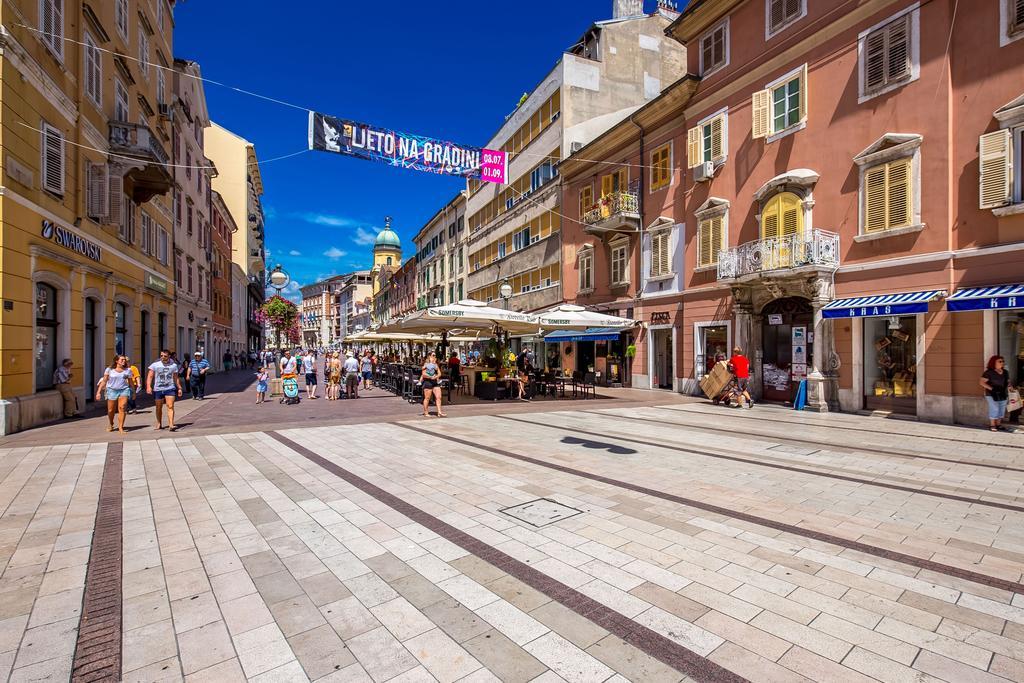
<point>261,385</point>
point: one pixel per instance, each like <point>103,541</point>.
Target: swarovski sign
<point>68,239</point>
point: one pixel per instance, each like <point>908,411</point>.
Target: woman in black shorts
<point>430,377</point>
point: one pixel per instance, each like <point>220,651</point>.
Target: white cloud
<point>294,253</point>
<point>326,219</point>
<point>334,253</point>
<point>364,237</point>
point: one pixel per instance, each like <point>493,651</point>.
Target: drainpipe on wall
<point>640,244</point>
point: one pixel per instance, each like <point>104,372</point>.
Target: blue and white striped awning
<point>881,305</point>
<point>987,298</point>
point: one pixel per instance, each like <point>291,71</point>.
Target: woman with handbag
<point>996,383</point>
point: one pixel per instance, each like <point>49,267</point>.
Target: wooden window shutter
<point>98,191</point>
<point>53,159</point>
<point>115,207</point>
<point>655,254</point>
<point>874,60</point>
<point>663,254</point>
<point>874,199</point>
<point>777,13</point>
<point>694,157</point>
<point>898,49</point>
<point>803,93</point>
<point>1017,22</point>
<point>770,219</point>
<point>716,137</point>
<point>899,198</point>
<point>717,237</point>
<point>705,242</point>
<point>995,157</point>
<point>607,183</point>
<point>761,108</point>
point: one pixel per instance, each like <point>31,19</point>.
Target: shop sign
<point>69,239</point>
<point>156,283</point>
<point>661,318</point>
<point>992,303</point>
<point>799,371</point>
<point>774,318</point>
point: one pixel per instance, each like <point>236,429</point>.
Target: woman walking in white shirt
<point>115,384</point>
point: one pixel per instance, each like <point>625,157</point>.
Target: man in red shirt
<point>740,366</point>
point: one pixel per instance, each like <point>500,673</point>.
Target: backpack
<point>291,391</point>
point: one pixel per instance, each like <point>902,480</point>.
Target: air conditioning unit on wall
<point>704,172</point>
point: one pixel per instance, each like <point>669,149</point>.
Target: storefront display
<point>1011,343</point>
<point>890,364</point>
<point>786,347</point>
<point>713,346</point>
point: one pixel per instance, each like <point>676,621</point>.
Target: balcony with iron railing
<point>152,175</point>
<point>812,250</point>
<point>619,211</point>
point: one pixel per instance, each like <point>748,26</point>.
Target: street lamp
<point>278,278</point>
<point>505,291</point>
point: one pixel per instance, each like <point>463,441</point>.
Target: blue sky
<point>449,70</point>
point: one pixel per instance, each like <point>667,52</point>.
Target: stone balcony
<point>808,251</point>
<point>144,157</point>
<point>617,212</point>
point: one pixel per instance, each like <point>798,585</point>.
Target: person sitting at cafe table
<point>521,379</point>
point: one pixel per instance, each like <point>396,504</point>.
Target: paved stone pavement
<point>658,541</point>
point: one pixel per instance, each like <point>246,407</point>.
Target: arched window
<point>46,335</point>
<point>783,215</point>
<point>120,327</point>
<point>389,260</point>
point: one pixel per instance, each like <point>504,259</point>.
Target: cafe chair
<point>587,385</point>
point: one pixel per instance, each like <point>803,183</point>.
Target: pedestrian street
<point>584,542</point>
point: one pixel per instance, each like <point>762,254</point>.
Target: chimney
<point>627,8</point>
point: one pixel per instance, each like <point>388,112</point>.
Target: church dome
<point>387,239</point>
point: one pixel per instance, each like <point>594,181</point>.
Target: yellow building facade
<point>85,196</point>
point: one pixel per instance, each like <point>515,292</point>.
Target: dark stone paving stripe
<point>98,647</point>
<point>772,465</point>
<point>893,555</point>
<point>639,636</point>
<point>871,429</point>
<point>786,438</point>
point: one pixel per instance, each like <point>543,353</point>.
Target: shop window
<point>707,141</point>
<point>46,335</point>
<point>712,346</point>
<point>620,262</point>
<point>890,363</point>
<point>1011,343</point>
<point>888,54</point>
<point>781,106</point>
<point>710,240</point>
<point>120,328</point>
<point>661,167</point>
<point>782,216</point>
<point>714,49</point>
<point>888,196</point>
<point>782,13</point>
<point>661,260</point>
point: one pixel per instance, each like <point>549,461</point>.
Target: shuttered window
<point>995,164</point>
<point>714,49</point>
<point>586,265</point>
<point>52,159</point>
<point>143,52</point>
<point>660,259</point>
<point>782,13</point>
<point>1015,16</point>
<point>146,241</point>
<point>586,199</point>
<point>888,196</point>
<point>710,238</point>
<point>161,247</point>
<point>782,215</point>
<point>98,194</point>
<point>620,262</point>
<point>92,68</point>
<point>613,182</point>
<point>887,55</point>
<point>706,142</point>
<point>661,167</point>
<point>121,111</point>
<point>121,17</point>
<point>51,25</point>
<point>780,106</point>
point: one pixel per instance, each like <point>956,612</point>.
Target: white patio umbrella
<point>572,317</point>
<point>469,315</point>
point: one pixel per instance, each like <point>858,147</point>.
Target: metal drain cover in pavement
<point>541,512</point>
